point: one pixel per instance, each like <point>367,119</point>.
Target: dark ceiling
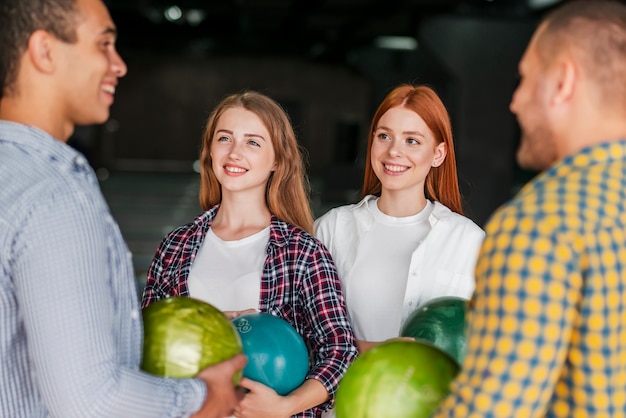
<point>313,28</point>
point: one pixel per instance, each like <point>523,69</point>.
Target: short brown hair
<point>595,31</point>
<point>19,19</point>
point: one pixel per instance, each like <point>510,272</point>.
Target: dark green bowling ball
<point>442,323</point>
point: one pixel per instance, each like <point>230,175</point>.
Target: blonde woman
<point>253,248</point>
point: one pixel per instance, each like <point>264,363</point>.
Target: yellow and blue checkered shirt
<point>547,326</point>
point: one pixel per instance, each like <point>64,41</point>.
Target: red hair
<point>442,183</point>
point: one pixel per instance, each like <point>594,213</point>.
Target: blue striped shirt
<point>70,322</point>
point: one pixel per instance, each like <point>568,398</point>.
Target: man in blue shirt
<point>70,324</point>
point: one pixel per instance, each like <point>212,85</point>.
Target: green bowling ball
<point>183,335</point>
<point>395,379</point>
<point>440,322</point>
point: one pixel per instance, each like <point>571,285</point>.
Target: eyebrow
<point>110,30</point>
<point>416,133</point>
<point>228,131</point>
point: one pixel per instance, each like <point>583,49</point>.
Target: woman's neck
<point>401,205</point>
<point>237,219</point>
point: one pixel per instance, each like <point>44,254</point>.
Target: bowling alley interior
<point>328,63</point>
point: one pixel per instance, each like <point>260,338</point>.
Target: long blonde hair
<point>287,188</point>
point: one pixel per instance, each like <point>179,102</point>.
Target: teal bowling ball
<point>440,322</point>
<point>277,354</point>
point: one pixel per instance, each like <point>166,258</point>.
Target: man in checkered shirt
<point>547,329</point>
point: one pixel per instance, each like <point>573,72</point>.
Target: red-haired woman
<point>407,241</point>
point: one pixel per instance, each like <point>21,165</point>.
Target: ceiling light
<point>540,4</point>
<point>406,43</point>
<point>173,13</point>
<point>195,16</point>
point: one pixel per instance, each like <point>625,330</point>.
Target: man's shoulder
<point>28,182</point>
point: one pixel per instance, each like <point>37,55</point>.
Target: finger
<point>249,384</point>
<point>225,368</point>
<point>239,361</point>
<point>235,314</point>
<point>240,392</point>
<point>254,386</point>
<point>404,339</point>
<point>246,383</point>
<point>231,314</point>
<point>235,363</point>
<point>247,311</point>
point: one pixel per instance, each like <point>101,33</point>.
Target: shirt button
<point>134,314</point>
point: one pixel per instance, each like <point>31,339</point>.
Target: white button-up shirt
<point>442,264</point>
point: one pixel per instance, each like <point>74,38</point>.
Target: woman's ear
<point>441,150</point>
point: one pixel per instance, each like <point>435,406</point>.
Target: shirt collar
<point>280,231</point>
<point>606,152</point>
<point>440,211</point>
<point>40,142</point>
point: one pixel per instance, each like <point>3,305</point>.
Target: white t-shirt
<point>374,289</point>
<point>227,274</point>
<point>440,264</point>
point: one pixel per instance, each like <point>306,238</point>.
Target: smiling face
<point>403,151</point>
<point>242,152</point>
<point>530,104</point>
<point>89,69</point>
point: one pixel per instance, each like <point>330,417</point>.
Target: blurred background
<point>328,63</point>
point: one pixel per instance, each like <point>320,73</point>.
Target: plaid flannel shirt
<point>299,283</point>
